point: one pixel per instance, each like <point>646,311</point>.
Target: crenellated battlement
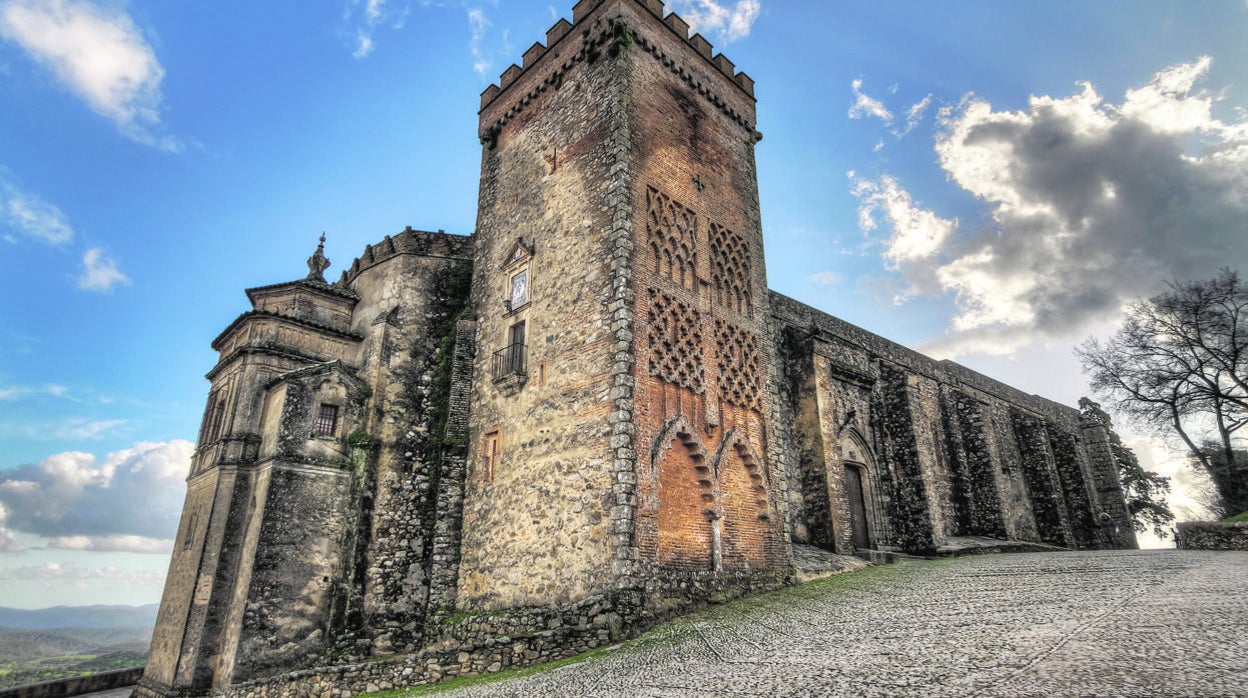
<point>415,242</point>
<point>615,32</point>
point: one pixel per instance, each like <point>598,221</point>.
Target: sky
<point>979,180</point>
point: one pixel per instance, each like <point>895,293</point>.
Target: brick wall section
<point>686,492</point>
<point>704,355</point>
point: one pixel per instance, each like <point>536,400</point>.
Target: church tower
<point>621,405</point>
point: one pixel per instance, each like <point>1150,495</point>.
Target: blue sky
<point>982,180</point>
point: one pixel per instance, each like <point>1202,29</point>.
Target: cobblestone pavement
<point>1134,623</point>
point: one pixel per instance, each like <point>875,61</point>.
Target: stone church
<point>490,450</point>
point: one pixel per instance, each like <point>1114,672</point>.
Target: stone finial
<point>318,263</point>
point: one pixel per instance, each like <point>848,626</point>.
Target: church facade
<point>474,452</point>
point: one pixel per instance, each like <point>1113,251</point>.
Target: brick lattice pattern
<point>675,330</point>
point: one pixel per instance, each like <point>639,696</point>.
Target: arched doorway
<point>860,531</point>
<point>861,522</point>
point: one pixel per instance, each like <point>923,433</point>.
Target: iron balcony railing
<point>510,360</point>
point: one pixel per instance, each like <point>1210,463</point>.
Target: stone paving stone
<point>1097,623</point>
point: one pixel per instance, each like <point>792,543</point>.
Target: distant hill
<point>79,617</point>
<point>64,641</point>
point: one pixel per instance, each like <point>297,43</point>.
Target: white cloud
<point>57,571</point>
<point>99,272</point>
<point>916,233</point>
<point>78,429</point>
<point>1088,204</point>
<point>864,105</point>
<point>725,21</point>
<point>114,544</point>
<point>480,24</point>
<point>99,55</point>
<point>867,106</point>
<point>826,278</point>
<point>914,115</point>
<point>18,392</point>
<point>8,542</point>
<point>367,16</point>
<point>364,44</point>
<point>31,216</point>
<point>129,502</point>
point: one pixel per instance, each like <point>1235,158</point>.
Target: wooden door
<point>857,508</point>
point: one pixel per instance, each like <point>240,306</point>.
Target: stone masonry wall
<point>417,285</point>
<point>958,453</point>
<point>297,558</point>
<point>1213,535</point>
<point>974,485</point>
<point>539,511</point>
<point>809,500</point>
<point>586,418</point>
<point>1040,472</point>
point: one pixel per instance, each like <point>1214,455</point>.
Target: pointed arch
<point>859,451</point>
<point>860,522</point>
<point>755,468</point>
<point>687,496</point>
<point>677,428</point>
<point>747,524</point>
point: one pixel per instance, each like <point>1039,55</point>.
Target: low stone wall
<point>62,688</point>
<point>470,644</point>
<point>475,643</point>
<point>1213,535</point>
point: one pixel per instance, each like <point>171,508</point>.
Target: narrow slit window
<point>327,420</point>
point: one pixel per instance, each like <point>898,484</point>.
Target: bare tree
<point>1180,363</point>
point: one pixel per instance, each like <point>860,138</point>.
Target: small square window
<point>327,420</point>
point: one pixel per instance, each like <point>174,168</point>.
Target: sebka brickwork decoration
<point>675,331</point>
<point>730,269</point>
<point>672,230</point>
<point>736,352</point>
